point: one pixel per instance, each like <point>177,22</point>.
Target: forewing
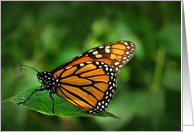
<point>116,54</point>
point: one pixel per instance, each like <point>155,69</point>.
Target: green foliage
<point>41,102</point>
<point>45,34</point>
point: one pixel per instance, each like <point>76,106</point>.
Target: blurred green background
<point>46,34</point>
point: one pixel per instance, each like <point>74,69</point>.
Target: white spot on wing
<point>90,50</point>
<point>101,47</point>
<point>79,55</point>
<point>107,50</point>
<point>116,63</point>
<point>107,46</point>
<point>68,67</point>
<point>125,43</point>
<point>98,56</point>
<point>95,52</point>
<point>81,64</point>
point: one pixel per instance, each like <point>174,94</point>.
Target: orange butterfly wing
<point>88,81</point>
<point>116,54</point>
<point>89,85</point>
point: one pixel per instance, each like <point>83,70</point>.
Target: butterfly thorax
<point>49,82</point>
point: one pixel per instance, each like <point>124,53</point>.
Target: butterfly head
<point>42,76</point>
<point>49,82</point>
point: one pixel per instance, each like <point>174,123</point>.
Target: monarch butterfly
<point>88,81</point>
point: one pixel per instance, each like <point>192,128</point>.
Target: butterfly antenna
<point>31,68</point>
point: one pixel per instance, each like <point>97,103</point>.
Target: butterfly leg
<point>35,90</point>
<point>53,101</point>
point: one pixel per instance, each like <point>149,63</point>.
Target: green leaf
<point>41,102</point>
